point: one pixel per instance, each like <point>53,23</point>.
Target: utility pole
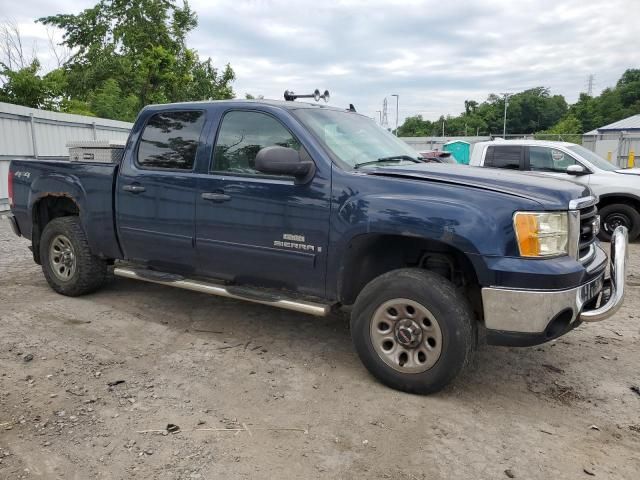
<point>397,101</point>
<point>443,128</point>
<point>379,112</point>
<point>504,124</point>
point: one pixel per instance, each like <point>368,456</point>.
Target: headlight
<point>542,234</point>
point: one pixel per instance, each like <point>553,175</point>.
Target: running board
<point>238,293</point>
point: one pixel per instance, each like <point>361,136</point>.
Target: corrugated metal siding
<point>614,147</point>
<point>51,132</point>
<point>15,137</point>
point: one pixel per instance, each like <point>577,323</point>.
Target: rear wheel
<point>67,262</point>
<point>616,215</point>
<point>413,330</point>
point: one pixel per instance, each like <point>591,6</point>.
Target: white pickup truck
<point>618,189</point>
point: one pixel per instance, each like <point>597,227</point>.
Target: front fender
<point>471,221</point>
<point>471,228</point>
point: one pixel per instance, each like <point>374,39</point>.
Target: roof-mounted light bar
<point>290,96</point>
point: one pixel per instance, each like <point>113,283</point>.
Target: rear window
<point>504,156</point>
<point>170,140</point>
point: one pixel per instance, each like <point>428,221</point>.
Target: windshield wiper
<point>391,158</point>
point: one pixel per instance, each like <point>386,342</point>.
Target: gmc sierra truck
<point>313,208</point>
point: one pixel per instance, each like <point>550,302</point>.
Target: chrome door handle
<point>134,188</point>
<point>218,197</point>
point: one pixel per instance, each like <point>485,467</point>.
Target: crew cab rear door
<point>156,189</point>
<point>258,229</point>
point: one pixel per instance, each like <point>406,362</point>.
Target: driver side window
<point>546,159</point>
<point>242,135</point>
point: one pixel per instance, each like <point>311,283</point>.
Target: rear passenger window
<point>242,135</point>
<point>504,156</point>
<point>170,140</point>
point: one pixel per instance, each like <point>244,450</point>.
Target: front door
<point>258,229</point>
<point>554,162</point>
<point>156,192</point>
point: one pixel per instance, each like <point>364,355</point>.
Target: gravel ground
<point>111,370</point>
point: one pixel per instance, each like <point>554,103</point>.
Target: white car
<point>618,189</point>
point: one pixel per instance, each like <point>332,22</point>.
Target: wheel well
<point>369,256</point>
<point>45,210</point>
<point>611,199</point>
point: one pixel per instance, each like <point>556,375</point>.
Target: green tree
<point>568,129</point>
<point>415,127</point>
<point>109,102</point>
<point>136,50</point>
<point>536,110</point>
<point>629,88</point>
<point>25,86</point>
<point>613,104</point>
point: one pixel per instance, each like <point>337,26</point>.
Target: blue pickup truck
<point>312,208</point>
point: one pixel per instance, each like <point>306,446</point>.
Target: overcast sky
<point>434,54</point>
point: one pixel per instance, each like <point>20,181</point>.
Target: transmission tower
<point>384,122</point>
<point>590,85</point>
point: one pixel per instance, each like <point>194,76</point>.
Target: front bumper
<point>12,221</point>
<point>529,317</point>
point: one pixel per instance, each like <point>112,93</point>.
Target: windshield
<point>593,158</point>
<point>355,139</point>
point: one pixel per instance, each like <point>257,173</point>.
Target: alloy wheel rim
<point>62,258</point>
<point>406,336</point>
<point>615,220</point>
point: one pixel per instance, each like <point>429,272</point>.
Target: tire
<point>619,214</point>
<point>420,298</point>
<point>75,271</point>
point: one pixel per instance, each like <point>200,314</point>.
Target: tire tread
<point>432,286</point>
<point>91,271</point>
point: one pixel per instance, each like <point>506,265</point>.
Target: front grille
<point>588,220</point>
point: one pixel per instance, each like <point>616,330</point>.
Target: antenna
<point>590,84</point>
<point>290,96</point>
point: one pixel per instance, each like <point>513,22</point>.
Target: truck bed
<point>89,185</point>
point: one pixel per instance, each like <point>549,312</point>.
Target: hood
<point>551,193</point>
<point>629,171</point>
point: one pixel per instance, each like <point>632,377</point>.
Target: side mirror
<point>278,160</point>
<point>576,170</point>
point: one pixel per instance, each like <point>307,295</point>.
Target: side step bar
<point>238,293</point>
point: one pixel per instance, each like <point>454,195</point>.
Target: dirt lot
<point>299,401</point>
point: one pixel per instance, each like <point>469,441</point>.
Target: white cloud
<point>434,54</point>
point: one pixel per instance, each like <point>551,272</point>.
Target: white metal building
<point>617,142</point>
<point>31,133</point>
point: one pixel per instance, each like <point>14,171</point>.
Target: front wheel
<point>413,330</point>
<point>616,215</point>
<point>67,262</point>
